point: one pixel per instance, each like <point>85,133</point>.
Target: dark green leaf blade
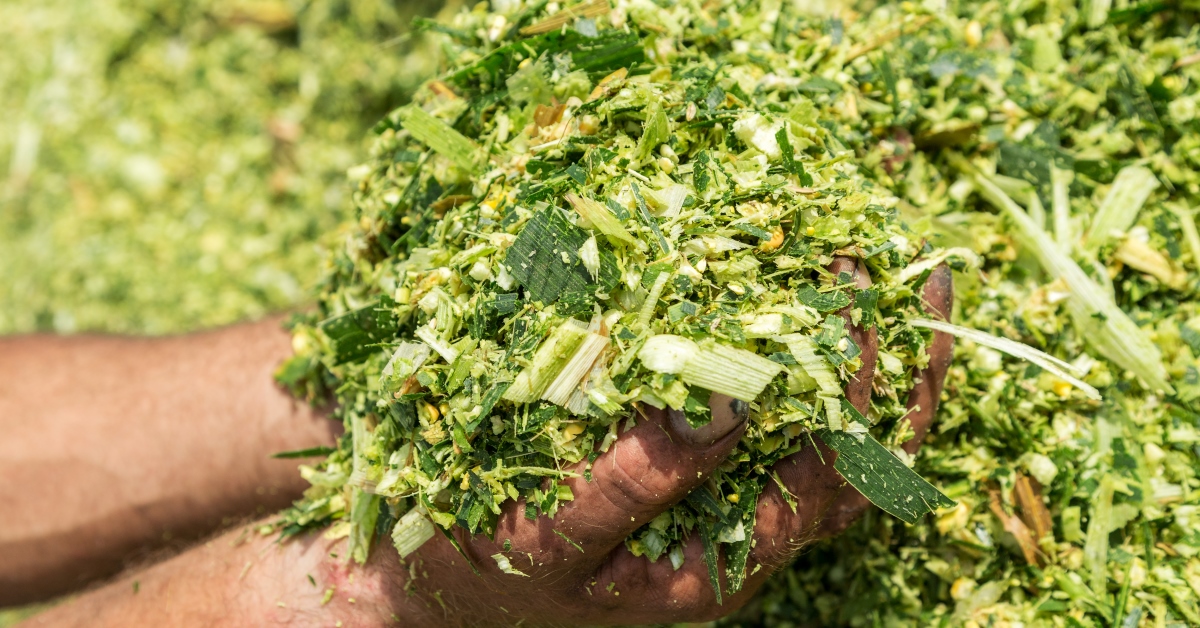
<point>822,301</point>
<point>882,478</point>
<point>545,258</point>
<point>310,452</point>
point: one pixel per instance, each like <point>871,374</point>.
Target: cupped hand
<point>576,567</point>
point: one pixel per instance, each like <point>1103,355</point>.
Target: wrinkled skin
<point>651,467</point>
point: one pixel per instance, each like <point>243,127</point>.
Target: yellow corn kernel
<point>775,242</point>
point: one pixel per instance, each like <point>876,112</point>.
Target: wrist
<point>377,593</point>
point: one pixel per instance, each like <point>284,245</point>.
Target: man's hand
<point>577,570</point>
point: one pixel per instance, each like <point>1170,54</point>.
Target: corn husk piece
<point>1063,370</point>
<point>599,217</point>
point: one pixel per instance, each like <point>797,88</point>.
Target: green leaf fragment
<point>648,220</point>
<point>309,452</point>
<point>882,478</point>
<point>545,259</point>
<point>439,136</point>
<point>822,301</point>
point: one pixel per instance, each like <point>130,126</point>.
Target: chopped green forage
<point>657,130</point>
<point>438,136</point>
<point>648,220</point>
<point>599,217</point>
<point>506,566</point>
<point>411,532</point>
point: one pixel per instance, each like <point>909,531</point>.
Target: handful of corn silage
<point>581,218</point>
<point>628,203</point>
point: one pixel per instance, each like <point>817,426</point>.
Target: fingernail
<point>727,415</point>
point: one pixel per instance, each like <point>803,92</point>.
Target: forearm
<point>243,578</point>
<point>114,445</point>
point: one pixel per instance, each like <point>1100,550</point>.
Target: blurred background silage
<point>166,165</point>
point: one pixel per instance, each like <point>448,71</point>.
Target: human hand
<point>578,569</point>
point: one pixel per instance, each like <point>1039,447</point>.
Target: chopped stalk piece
<point>1060,183</point>
<point>364,511</point>
<point>405,361</point>
<point>730,371</point>
<point>412,531</point>
<point>505,565</point>
<point>1120,208</point>
<point>443,348</point>
<point>1187,223</point>
<point>550,359</point>
<point>566,384</point>
<point>651,302</point>
<point>804,349</point>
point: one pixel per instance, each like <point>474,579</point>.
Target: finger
<point>937,298</point>
<point>858,390</point>
<point>626,587</point>
<point>650,467</point>
<point>809,475</point>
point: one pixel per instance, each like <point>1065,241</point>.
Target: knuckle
<point>632,479</point>
<point>694,601</point>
